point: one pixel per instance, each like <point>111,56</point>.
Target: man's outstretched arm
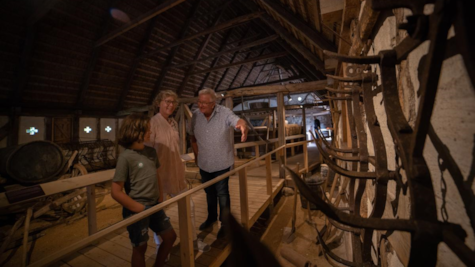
<point>242,126</point>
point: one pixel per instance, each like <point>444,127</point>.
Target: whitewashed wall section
<point>31,129</point>
<point>108,129</point>
<point>87,129</point>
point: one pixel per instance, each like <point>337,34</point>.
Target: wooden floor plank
<point>118,250</point>
<point>103,257</point>
<point>79,260</point>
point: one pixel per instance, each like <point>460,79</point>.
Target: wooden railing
<point>183,201</point>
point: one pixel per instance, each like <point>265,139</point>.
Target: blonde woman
<point>165,140</point>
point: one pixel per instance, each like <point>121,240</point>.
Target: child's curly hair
<point>133,129</point>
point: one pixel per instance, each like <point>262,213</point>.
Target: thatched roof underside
<point>52,56</point>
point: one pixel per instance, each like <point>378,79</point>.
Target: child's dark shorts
<point>138,232</point>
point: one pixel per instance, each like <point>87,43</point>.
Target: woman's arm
<point>120,196</point>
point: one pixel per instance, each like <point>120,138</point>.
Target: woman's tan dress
<point>165,139</point>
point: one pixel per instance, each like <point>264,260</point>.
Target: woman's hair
<point>162,95</point>
<point>210,92</point>
<point>133,129</point>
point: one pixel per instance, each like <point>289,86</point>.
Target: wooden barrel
<point>32,163</point>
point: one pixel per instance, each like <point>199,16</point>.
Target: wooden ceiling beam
<point>135,64</point>
<point>299,77</point>
<point>259,65</point>
<point>239,70</point>
<point>300,70</point>
<point>314,8</point>
<point>225,73</point>
<point>252,68</point>
<point>296,44</point>
<point>215,61</point>
<point>315,37</point>
<point>239,48</point>
<point>251,60</point>
<point>200,51</point>
<point>250,91</point>
<point>92,61</point>
<point>262,69</point>
<point>21,79</point>
<point>171,55</point>
<point>351,11</point>
<point>137,21</point>
<point>310,68</point>
<point>241,41</point>
<point>270,89</point>
<point>223,26</point>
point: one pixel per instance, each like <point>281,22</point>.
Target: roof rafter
<point>247,61</point>
<point>239,70</point>
<point>201,49</point>
<point>296,44</point>
<point>239,48</point>
<point>137,21</point>
<point>302,60</point>
<point>225,25</point>
<point>312,35</point>
<point>28,45</point>
<point>269,83</point>
<point>215,61</point>
<point>171,55</point>
<point>262,69</point>
<point>252,68</point>
<point>93,60</point>
<point>225,73</point>
<point>135,64</point>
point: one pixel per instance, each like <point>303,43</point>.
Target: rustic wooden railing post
<point>269,182</point>
<point>258,154</point>
<point>281,155</point>
<point>269,175</point>
<point>305,157</point>
<point>292,149</point>
<point>244,198</point>
<point>91,209</point>
<point>182,129</point>
<point>186,237</point>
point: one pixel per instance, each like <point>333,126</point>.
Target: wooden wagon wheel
<point>76,204</point>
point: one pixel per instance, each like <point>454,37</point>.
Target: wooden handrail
<point>181,199</point>
<point>126,222</point>
<point>270,141</point>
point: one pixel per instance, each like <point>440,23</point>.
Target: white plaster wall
<point>3,121</point>
<point>91,123</point>
<point>25,124</point>
<point>108,123</point>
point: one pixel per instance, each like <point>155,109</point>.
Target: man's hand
<point>244,129</point>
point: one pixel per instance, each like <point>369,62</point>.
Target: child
<point>136,170</point>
